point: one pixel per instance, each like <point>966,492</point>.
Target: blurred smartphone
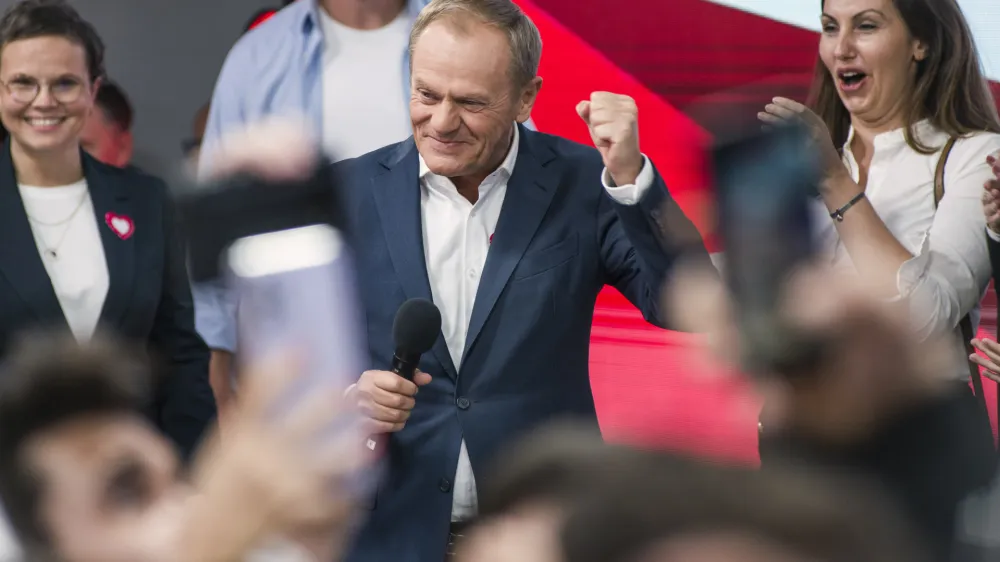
<point>281,255</point>
<point>765,181</point>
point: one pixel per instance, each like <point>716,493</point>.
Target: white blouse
<point>69,242</point>
<point>950,270</point>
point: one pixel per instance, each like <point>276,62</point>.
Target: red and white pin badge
<point>120,224</point>
<point>491,238</point>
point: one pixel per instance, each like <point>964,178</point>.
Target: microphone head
<point>416,327</point>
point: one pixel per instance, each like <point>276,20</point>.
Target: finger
<point>391,382</point>
<point>378,428</point>
<point>985,363</point>
<point>789,104</point>
<point>993,376</point>
<point>390,399</point>
<point>421,378</point>
<point>990,347</point>
<point>603,98</point>
<point>780,111</point>
<point>611,132</point>
<point>379,413</point>
<point>992,158</point>
<point>768,118</point>
<point>583,110</point>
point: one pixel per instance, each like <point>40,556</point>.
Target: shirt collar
<point>923,130</point>
<point>506,167</point>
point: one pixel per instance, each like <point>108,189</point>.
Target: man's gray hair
<point>522,35</point>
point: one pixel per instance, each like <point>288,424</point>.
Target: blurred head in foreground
<point>678,510</point>
<point>563,495</point>
<point>525,500</point>
<point>84,477</point>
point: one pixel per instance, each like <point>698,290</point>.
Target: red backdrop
<point>686,62</point>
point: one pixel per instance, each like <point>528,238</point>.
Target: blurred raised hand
<point>285,467</point>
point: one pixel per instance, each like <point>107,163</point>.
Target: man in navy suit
<point>513,234</point>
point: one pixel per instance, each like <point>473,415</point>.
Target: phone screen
<point>765,183</point>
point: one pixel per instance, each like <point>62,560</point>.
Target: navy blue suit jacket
<point>559,240</point>
<point>148,300</point>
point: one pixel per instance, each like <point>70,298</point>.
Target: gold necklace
<point>53,251</point>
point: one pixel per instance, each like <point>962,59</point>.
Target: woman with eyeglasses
<point>87,247</point>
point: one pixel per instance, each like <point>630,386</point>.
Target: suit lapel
<point>20,262</point>
<point>529,192</point>
<point>397,199</point>
<point>112,197</point>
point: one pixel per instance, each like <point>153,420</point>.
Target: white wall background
<point>166,54</point>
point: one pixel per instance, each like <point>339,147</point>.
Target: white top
<point>951,269</point>
<point>456,237</point>
<point>63,223</point>
<point>363,108</point>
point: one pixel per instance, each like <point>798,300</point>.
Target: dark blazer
<point>148,300</point>
<point>559,240</point>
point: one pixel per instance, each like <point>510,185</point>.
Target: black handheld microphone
<point>414,331</point>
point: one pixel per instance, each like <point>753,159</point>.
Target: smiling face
<point>463,103</point>
<point>53,120</point>
<point>871,56</point>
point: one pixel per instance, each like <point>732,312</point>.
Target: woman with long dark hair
<point>904,119</point>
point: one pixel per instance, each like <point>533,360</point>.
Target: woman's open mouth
<point>851,80</point>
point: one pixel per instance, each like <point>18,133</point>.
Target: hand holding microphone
<point>387,397</point>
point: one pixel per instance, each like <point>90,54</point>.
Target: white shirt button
<point>471,273</point>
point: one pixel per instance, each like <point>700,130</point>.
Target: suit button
<point>463,403</point>
<point>444,485</point>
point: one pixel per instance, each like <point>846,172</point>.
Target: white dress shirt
<point>950,270</point>
<point>457,236</point>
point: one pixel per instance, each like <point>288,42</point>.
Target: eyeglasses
<point>26,90</point>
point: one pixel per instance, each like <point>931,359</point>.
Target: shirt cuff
<point>993,235</point>
<point>630,194</point>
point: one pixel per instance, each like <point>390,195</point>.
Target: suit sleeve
<point>642,242</point>
<point>185,402</point>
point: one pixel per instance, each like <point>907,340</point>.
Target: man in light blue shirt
<point>341,64</point>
